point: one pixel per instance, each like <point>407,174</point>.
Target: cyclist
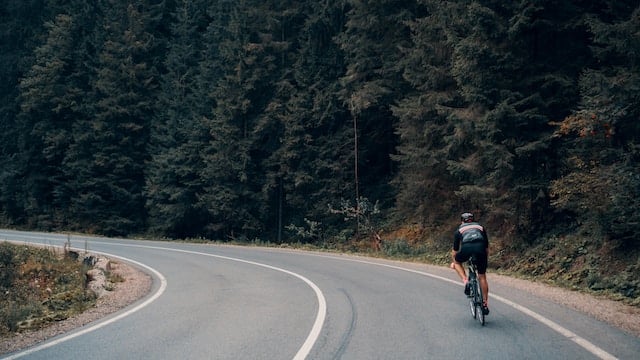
<point>471,239</point>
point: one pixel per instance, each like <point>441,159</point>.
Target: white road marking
<point>321,315</point>
<point>322,306</point>
<point>302,353</point>
<point>582,342</point>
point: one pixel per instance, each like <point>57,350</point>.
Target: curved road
<point>227,302</point>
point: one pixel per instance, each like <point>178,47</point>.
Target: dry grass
<point>39,286</point>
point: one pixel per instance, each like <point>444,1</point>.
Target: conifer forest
<point>321,120</point>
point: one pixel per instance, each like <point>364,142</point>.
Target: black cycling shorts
<point>476,249</point>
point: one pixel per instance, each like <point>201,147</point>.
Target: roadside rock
<point>98,277</point>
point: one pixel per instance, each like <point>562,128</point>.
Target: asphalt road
<point>228,302</point>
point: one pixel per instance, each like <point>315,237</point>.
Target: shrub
<point>396,247</point>
<point>7,265</point>
<point>38,287</point>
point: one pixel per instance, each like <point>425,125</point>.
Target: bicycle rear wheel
<point>472,298</point>
<point>478,300</point>
<point>473,308</point>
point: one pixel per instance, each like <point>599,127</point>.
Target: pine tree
<point>599,182</point>
<point>476,123</point>
<point>424,186</point>
<point>21,31</point>
<point>306,165</point>
<point>374,33</point>
<point>178,136</point>
<point>109,152</point>
<point>46,113</point>
<point>480,159</point>
<point>52,94</point>
<point>239,93</point>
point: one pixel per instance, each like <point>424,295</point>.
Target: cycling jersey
<point>471,239</point>
<point>470,233</point>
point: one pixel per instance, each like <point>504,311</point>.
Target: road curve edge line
<point>582,342</point>
<point>314,334</point>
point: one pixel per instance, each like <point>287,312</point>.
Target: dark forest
<point>321,121</point>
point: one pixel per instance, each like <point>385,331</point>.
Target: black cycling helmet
<point>466,217</point>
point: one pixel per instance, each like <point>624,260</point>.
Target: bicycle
<point>475,292</point>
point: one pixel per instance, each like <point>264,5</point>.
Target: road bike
<point>475,292</point>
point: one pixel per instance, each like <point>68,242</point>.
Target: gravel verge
<point>625,317</point>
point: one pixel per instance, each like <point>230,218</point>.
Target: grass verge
<point>39,286</point>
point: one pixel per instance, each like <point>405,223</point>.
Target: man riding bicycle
<point>471,239</point>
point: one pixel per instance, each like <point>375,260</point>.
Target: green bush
<point>396,248</point>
